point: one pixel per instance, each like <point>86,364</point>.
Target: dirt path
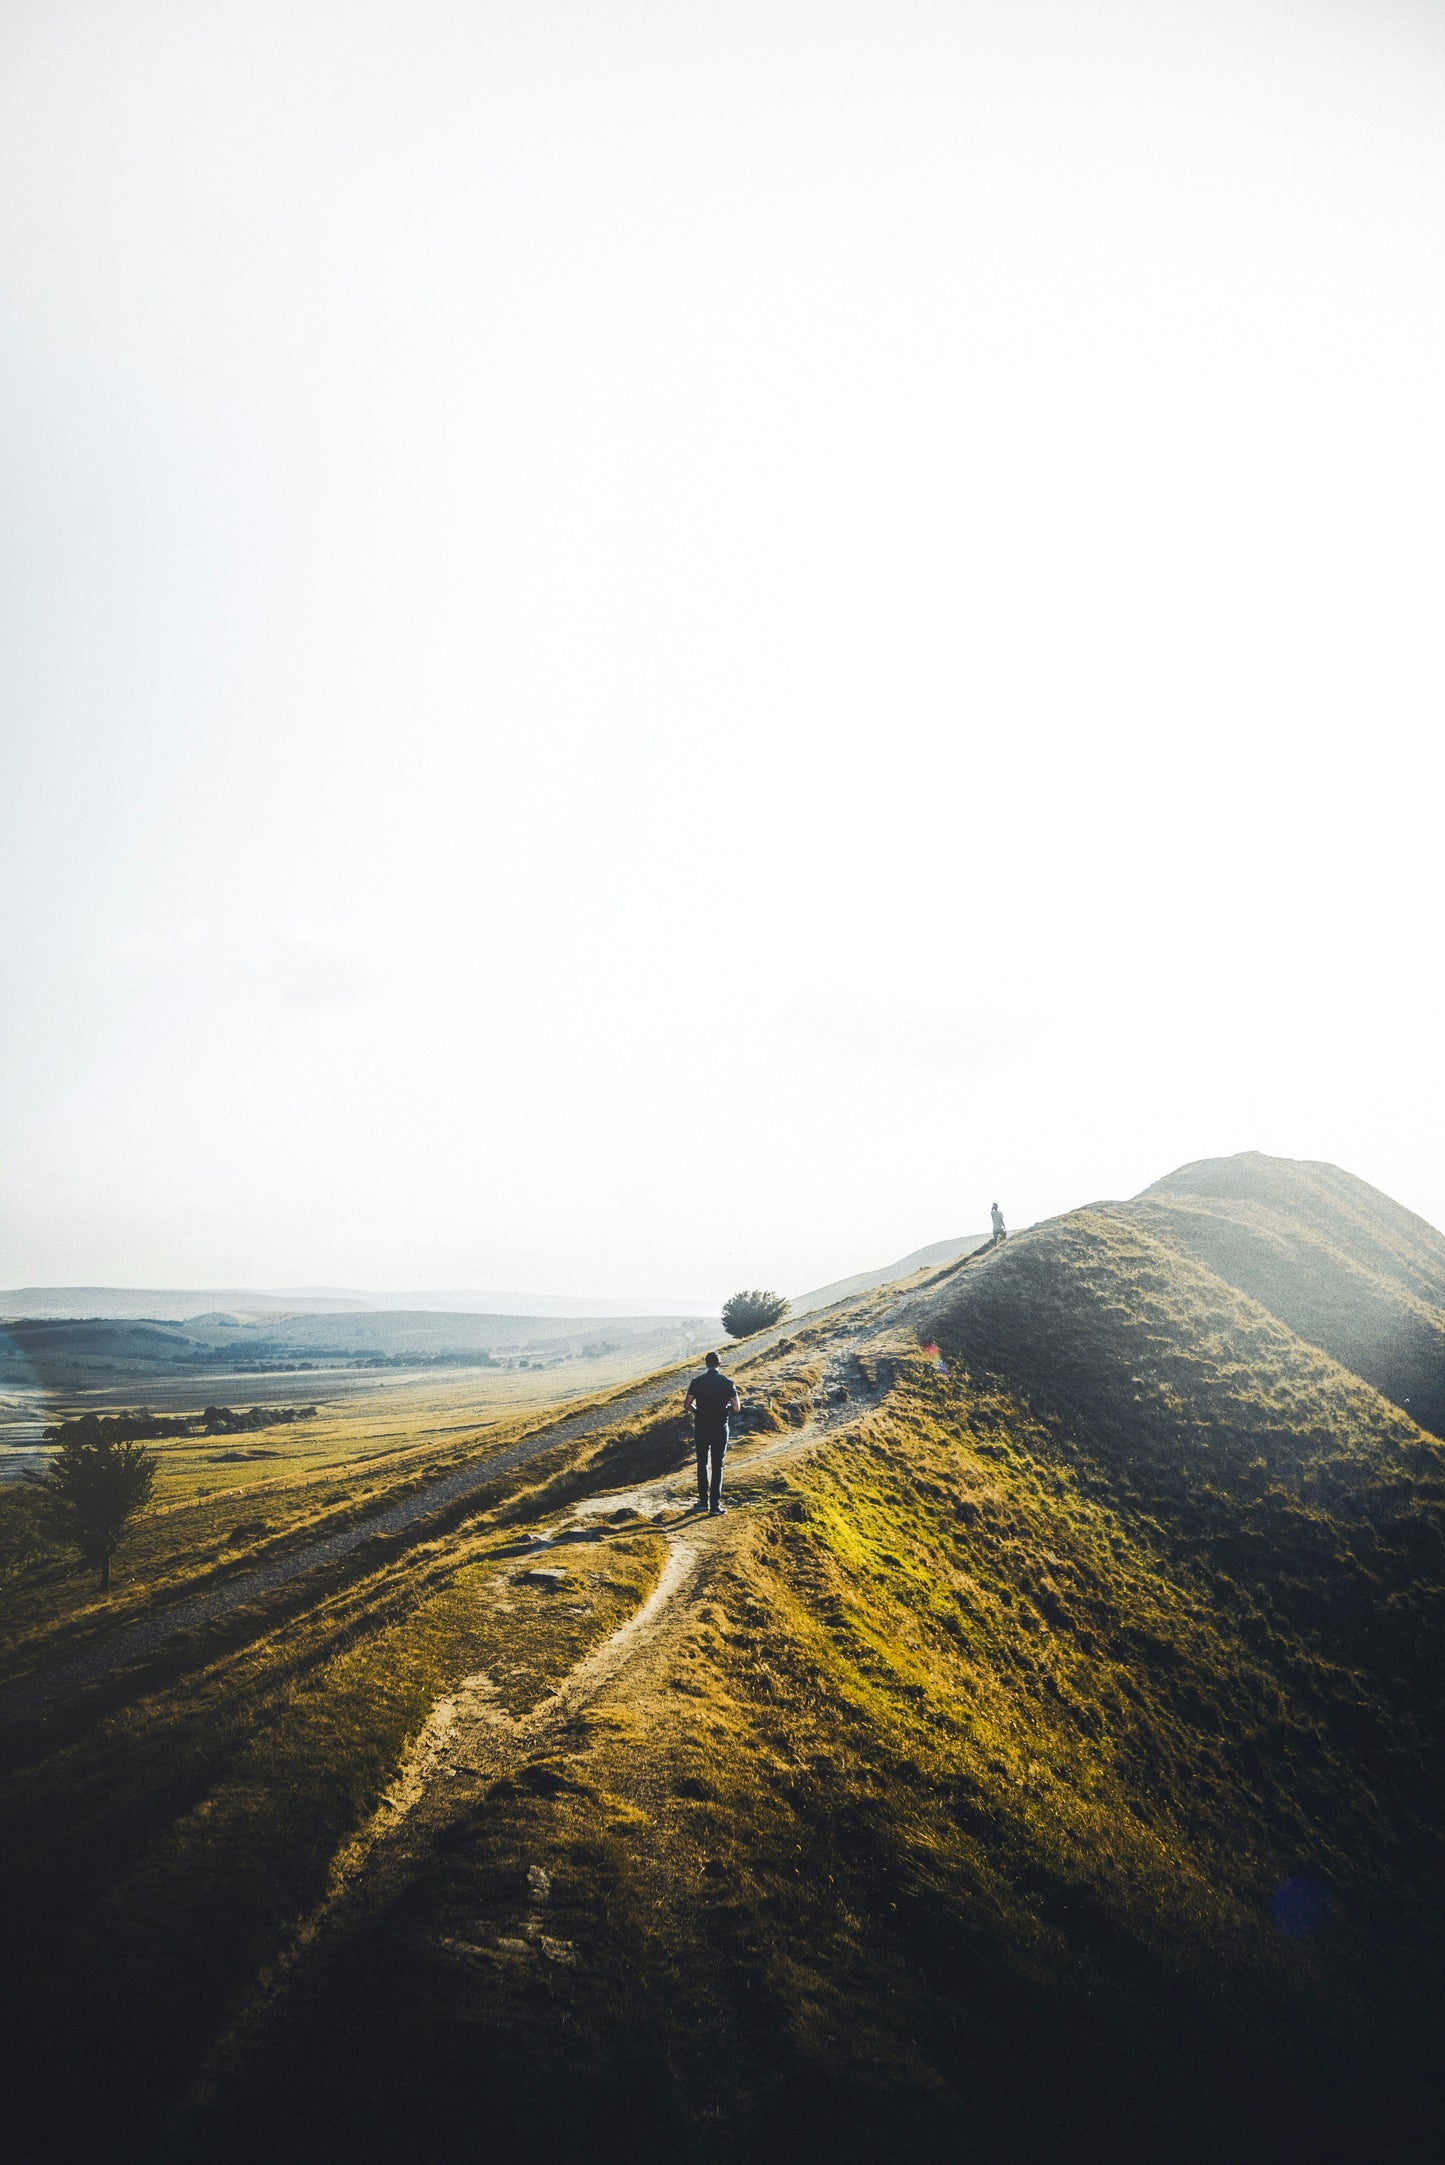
<point>468,1734</point>
<point>409,1515</point>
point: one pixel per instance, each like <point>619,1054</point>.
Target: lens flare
<point>1300,1907</point>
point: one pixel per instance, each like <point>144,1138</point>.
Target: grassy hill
<point>1041,1762</point>
<point>1265,1465</point>
<point>1341,1264</point>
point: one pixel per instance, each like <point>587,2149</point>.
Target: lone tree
<point>94,1486</point>
<point>753,1311</point>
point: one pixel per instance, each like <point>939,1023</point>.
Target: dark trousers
<point>714,1440</point>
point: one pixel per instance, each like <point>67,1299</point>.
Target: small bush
<point>752,1311</point>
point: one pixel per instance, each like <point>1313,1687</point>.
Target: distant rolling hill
<point>160,1305</point>
<point>588,1306</point>
<point>59,1341</point>
<point>414,1331</point>
<point>866,1281</point>
<point>59,1355</point>
<point>62,1338</point>
<point>176,1305</point>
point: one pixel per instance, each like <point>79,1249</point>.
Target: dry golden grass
<point>328,1474</point>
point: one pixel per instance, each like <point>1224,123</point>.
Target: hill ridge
<point>1346,1267</point>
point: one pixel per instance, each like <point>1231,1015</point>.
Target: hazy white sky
<point>653,646</point>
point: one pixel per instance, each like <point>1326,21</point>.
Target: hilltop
<point>1041,1761</point>
<point>1341,1264</point>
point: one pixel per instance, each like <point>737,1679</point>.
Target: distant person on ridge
<point>711,1397</point>
<point>999,1230</point>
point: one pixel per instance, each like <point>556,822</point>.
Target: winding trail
<point>24,1694</point>
<point>468,1726</point>
<point>467,1734</point>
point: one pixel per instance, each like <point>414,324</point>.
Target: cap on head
<point>711,1359</point>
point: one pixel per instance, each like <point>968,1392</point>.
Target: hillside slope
<point>1309,1506</point>
<point>1045,1765</point>
<point>1340,1263</point>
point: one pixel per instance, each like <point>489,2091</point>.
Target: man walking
<point>711,1397</point>
<point>998,1226</point>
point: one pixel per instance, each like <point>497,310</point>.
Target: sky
<point>655,645</point>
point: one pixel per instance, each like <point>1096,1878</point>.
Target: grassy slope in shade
<point>1341,1264</point>
<point>948,1821</point>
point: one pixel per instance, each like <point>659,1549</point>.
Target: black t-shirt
<point>711,1393</point>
